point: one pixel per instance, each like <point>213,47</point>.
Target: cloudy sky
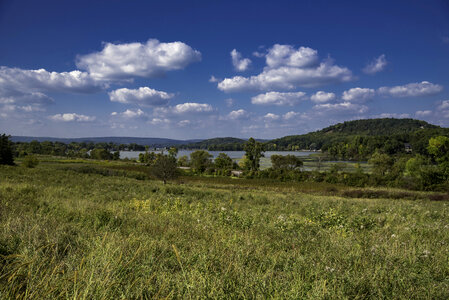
<point>202,69</point>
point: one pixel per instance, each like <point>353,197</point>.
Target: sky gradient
<point>203,69</point>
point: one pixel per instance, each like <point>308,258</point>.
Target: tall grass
<point>94,235</point>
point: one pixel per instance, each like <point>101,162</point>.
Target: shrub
<point>30,161</point>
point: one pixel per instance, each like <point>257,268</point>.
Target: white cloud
<point>258,54</point>
<point>340,108</point>
<point>271,117</point>
<point>71,117</point>
<point>41,80</point>
<point>144,96</point>
<point>184,123</point>
<point>392,115</point>
<point>376,65</point>
<point>288,76</point>
<point>287,55</point>
<point>277,98</point>
<point>417,89</point>
<point>444,105</point>
<point>188,108</point>
<point>358,95</point>
<point>290,115</point>
<point>213,79</point>
<point>423,113</point>
<point>322,97</point>
<point>192,107</point>
<point>130,114</point>
<point>238,115</point>
<point>153,58</point>
<point>240,64</point>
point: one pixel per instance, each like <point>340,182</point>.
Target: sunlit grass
<point>66,233</point>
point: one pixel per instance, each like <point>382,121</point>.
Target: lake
<point>231,154</point>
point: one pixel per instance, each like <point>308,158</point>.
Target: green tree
<point>200,160</point>
<point>183,161</point>
<point>101,154</point>
<point>253,152</point>
<point>287,162</point>
<point>173,152</point>
<point>381,162</point>
<point>223,162</point>
<point>439,148</point>
<point>6,157</point>
<point>164,168</point>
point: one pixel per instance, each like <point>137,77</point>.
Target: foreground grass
<point>71,234</point>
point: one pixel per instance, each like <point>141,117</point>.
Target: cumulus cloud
<point>271,117</point>
<point>423,113</point>
<point>416,89</point>
<point>287,68</point>
<point>240,64</point>
<point>340,108</point>
<point>188,108</point>
<point>287,55</point>
<point>153,58</point>
<point>322,97</point>
<point>41,80</point>
<point>144,96</point>
<point>130,114</point>
<point>376,65</point>
<point>71,117</point>
<point>444,105</point>
<point>237,115</point>
<point>277,98</point>
<point>358,95</point>
<point>290,115</point>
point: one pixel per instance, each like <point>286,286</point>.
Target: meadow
<point>85,229</point>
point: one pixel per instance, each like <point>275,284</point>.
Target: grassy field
<point>85,230</point>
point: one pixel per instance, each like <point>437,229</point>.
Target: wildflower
<point>425,253</point>
<point>393,235</point>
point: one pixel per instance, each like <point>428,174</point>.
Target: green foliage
<point>287,162</point>
<point>439,148</point>
<point>164,168</point>
<point>183,161</point>
<point>382,163</point>
<point>6,156</point>
<point>102,154</point>
<point>147,157</point>
<point>218,144</point>
<point>223,162</point>
<point>30,161</point>
<point>200,160</point>
<point>253,152</point>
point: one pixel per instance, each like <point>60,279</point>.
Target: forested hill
<point>377,127</point>
<point>219,144</point>
<point>360,138</point>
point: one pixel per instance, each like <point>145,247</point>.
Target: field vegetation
<point>98,229</point>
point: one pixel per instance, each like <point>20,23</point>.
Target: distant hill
<point>219,144</point>
<point>404,130</point>
<point>152,142</point>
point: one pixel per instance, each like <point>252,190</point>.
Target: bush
<point>30,161</point>
<point>5,151</point>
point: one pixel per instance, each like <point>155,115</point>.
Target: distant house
<point>236,173</point>
<point>408,147</point>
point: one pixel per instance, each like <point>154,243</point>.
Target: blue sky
<point>202,69</point>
